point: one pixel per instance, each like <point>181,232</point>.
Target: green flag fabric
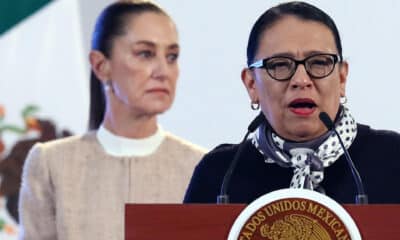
<point>43,62</point>
<point>14,11</point>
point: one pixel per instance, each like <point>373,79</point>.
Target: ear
<point>248,80</point>
<point>343,71</point>
<point>100,65</point>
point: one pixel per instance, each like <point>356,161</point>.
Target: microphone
<point>361,197</point>
<point>223,197</point>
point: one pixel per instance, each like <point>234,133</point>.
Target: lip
<point>158,90</point>
<point>303,106</point>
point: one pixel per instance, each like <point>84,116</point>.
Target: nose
<point>300,79</point>
<point>161,69</point>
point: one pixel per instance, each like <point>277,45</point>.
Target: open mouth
<point>303,106</point>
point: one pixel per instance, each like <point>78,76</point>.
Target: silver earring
<point>107,86</point>
<point>343,100</point>
<point>255,105</point>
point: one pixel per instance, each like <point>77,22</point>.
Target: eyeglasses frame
<point>262,64</point>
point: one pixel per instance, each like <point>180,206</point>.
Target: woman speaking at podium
<point>76,188</point>
<point>295,72</point>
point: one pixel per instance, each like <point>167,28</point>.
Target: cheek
<point>330,96</point>
<point>336,89</point>
<point>173,79</point>
<point>270,93</point>
<point>271,97</point>
<point>130,83</point>
<point>174,75</point>
<point>176,71</point>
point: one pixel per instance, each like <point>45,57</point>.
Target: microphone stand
<point>223,197</point>
<point>361,196</point>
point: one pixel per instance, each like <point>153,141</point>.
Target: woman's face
<point>142,67</point>
<point>292,107</point>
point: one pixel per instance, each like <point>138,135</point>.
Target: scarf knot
<point>308,168</point>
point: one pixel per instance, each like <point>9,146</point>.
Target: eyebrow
<point>306,54</point>
<point>153,45</point>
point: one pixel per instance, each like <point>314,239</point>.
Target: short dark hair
<point>110,24</point>
<point>301,10</point>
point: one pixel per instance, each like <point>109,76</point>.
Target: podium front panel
<point>211,221</point>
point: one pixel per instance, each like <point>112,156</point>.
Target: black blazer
<point>375,153</point>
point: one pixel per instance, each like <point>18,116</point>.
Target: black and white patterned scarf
<point>308,159</point>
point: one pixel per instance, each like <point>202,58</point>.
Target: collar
<point>122,147</point>
<point>308,159</point>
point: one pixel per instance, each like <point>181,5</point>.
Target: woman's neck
<point>130,125</point>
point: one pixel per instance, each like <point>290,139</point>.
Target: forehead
<point>295,37</point>
<point>152,27</point>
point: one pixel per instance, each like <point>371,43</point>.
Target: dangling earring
<point>108,86</point>
<point>255,105</point>
<point>343,100</point>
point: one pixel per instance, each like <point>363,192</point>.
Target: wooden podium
<point>213,222</point>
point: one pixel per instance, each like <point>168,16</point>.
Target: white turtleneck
<point>122,147</point>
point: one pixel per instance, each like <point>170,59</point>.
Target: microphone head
<point>326,120</point>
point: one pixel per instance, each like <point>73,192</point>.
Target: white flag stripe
<point>43,62</point>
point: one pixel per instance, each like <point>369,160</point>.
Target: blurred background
<point>44,62</point>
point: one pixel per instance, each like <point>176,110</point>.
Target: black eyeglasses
<point>283,68</point>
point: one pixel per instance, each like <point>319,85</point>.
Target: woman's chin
<point>304,133</point>
<point>307,136</point>
<point>159,108</point>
